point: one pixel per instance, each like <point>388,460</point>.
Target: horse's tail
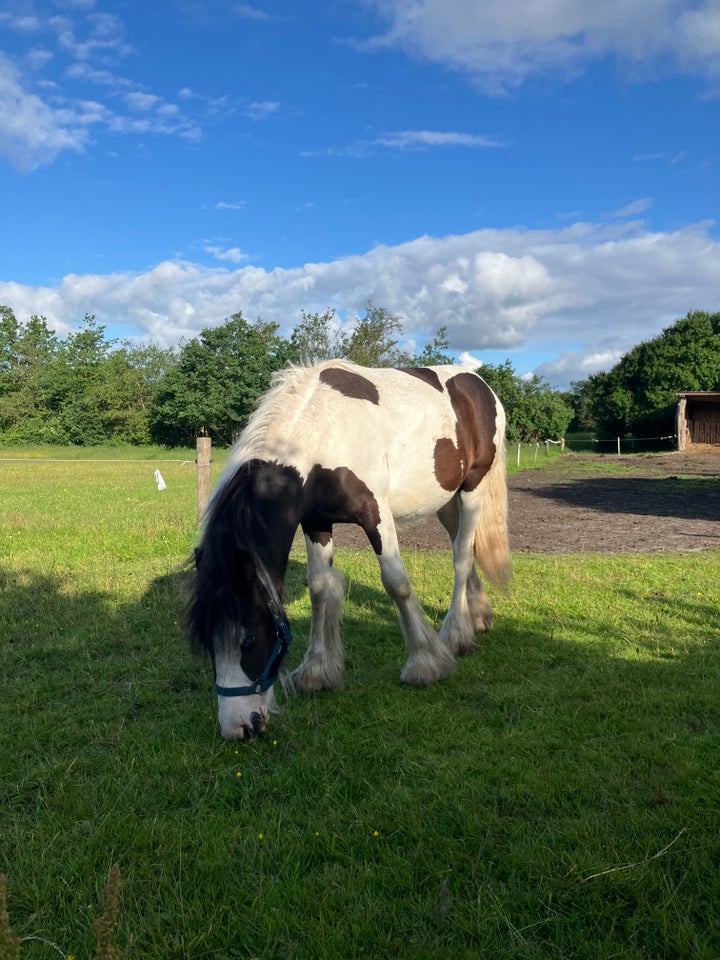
<point>492,543</point>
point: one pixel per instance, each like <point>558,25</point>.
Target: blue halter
<point>269,674</point>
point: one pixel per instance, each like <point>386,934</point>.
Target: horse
<point>338,443</point>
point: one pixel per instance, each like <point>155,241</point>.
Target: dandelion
<point>238,774</point>
<point>261,836</point>
<point>274,743</point>
<point>376,833</point>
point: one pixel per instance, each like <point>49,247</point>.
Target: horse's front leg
<point>322,667</point>
<point>429,658</point>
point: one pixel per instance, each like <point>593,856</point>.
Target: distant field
<point>557,797</point>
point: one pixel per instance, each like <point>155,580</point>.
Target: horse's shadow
<point>65,638</point>
<point>166,599</point>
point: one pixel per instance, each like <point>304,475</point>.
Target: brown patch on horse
<point>340,496</point>
<point>321,537</point>
<point>449,465</point>
<point>350,384</point>
<point>462,463</point>
<point>429,377</point>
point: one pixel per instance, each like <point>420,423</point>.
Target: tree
<point>316,337</point>
<point>74,382</point>
<point>433,353</point>
<point>27,353</point>
<point>84,389</point>
<point>371,341</point>
<point>9,335</point>
<point>534,411</point>
<point>216,382</point>
<point>639,394</point>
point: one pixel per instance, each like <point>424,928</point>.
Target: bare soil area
<point>667,502</point>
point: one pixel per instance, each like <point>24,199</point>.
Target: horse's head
<point>237,617</point>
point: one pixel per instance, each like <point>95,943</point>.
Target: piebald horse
<point>338,443</point>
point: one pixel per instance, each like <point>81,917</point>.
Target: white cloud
<point>35,129</point>
<point>501,43</point>
<point>631,209</point>
<point>420,139</point>
<point>84,72</point>
<point>43,114</point>
<point>245,12</point>
<point>574,365</point>
<point>576,297</point>
<point>230,204</point>
<point>231,255</point>
<point>466,359</point>
<point>31,132</point>
<point>142,102</point>
<point>408,140</point>
<point>261,110</point>
<point>20,23</point>
<point>671,159</point>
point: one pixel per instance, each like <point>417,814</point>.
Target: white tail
<point>492,544</point>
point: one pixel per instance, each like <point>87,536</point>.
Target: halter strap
<point>269,674</point>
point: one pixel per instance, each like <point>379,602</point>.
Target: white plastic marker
<point>159,480</point>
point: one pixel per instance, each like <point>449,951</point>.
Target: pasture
<point>557,797</point>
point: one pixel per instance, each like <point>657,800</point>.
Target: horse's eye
<point>249,639</point>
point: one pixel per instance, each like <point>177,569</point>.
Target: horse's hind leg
<point>323,665</point>
<point>429,659</point>
<point>470,611</point>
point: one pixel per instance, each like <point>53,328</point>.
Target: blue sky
<point>539,176</point>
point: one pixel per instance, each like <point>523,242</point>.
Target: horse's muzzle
<point>249,729</point>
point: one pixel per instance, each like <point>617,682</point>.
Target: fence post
<point>204,473</point>
<point>618,440</point>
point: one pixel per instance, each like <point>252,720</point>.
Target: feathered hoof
<point>463,647</point>
<point>309,677</point>
<point>482,622</point>
<point>425,668</point>
<point>459,635</point>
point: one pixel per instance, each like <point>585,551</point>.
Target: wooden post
<point>681,423</point>
<point>204,473</point>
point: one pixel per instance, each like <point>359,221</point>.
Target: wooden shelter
<point>698,418</point>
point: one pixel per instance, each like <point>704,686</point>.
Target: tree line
<point>638,396</point>
<point>89,389</point>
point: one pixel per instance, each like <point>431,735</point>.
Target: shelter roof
<point>711,395</point>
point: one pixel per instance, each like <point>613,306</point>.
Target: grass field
<point>557,797</point>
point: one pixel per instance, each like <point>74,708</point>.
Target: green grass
<point>557,797</point>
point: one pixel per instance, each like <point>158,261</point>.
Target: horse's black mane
<point>234,553</point>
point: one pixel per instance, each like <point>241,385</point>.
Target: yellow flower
<point>238,774</point>
<point>261,836</point>
<point>375,833</point>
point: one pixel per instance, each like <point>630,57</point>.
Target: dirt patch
<point>668,502</point>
